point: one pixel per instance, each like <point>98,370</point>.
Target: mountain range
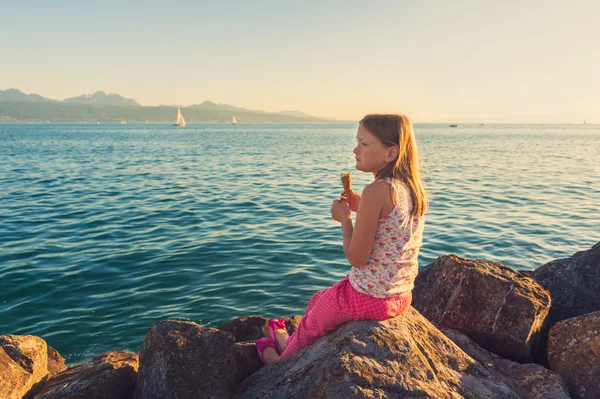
<point>16,106</point>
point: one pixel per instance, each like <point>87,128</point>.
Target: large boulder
<point>23,365</point>
<point>401,357</point>
<point>498,307</point>
<point>184,360</point>
<point>56,363</point>
<point>252,328</point>
<point>529,381</point>
<point>574,353</point>
<point>246,331</point>
<point>247,361</point>
<point>573,284</point>
<point>421,281</point>
<point>108,376</point>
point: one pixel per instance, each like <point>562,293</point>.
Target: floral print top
<point>392,266</point>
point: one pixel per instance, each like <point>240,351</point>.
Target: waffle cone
<point>347,182</point>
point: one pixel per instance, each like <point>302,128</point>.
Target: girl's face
<point>371,154</point>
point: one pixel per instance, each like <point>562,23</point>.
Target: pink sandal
<point>263,344</point>
<point>274,325</point>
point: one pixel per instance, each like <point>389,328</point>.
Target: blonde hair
<point>396,130</point>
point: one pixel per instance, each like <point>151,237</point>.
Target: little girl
<point>382,246</point>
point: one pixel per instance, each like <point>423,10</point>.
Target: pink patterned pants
<point>328,309</point>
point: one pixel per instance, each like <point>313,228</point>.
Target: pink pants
<point>328,309</point>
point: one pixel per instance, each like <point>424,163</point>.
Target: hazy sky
<point>472,60</point>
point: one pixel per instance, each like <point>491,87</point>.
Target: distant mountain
<point>101,98</point>
<point>209,105</point>
<point>295,113</point>
<point>18,95</point>
<point>60,111</point>
<point>16,106</point>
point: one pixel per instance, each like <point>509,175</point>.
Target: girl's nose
<point>355,150</point>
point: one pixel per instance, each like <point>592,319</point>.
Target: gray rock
<point>529,381</point>
<point>499,308</point>
<point>108,376</point>
<point>421,280</point>
<point>403,357</point>
<point>573,284</point>
<point>252,328</point>
<point>184,360</point>
<point>574,353</point>
<point>247,361</point>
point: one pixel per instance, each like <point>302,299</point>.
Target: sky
<point>466,61</point>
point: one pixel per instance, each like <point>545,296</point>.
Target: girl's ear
<point>392,154</point>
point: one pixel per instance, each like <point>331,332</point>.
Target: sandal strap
<point>264,343</point>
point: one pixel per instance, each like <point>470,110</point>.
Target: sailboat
<point>234,121</point>
<point>585,121</point>
<point>180,121</point>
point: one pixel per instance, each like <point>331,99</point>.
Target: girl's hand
<point>354,200</point>
<point>340,210</point>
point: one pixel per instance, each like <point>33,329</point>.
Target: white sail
<point>180,121</point>
<point>234,121</point>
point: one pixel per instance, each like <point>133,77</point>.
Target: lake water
<point>108,228</point>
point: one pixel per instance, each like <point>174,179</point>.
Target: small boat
<point>585,121</point>
<point>234,121</point>
<point>453,125</point>
<point>123,122</point>
<point>180,121</point>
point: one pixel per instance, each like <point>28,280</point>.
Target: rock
<point>573,284</point>
<point>56,363</point>
<point>247,361</point>
<point>108,376</point>
<point>246,331</point>
<point>246,328</point>
<point>529,381</point>
<point>23,365</point>
<point>252,328</point>
<point>421,280</point>
<point>401,357</point>
<point>499,308</point>
<point>184,360</point>
<point>574,353</point>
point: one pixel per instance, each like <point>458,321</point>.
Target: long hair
<point>396,130</point>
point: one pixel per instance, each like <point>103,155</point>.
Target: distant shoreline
<point>325,122</point>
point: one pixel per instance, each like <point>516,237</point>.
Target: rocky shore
<point>476,330</point>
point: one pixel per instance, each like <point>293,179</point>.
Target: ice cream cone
<point>347,182</point>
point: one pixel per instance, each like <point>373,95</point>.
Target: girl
<point>382,246</point>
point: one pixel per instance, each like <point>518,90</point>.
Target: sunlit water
<point>108,228</point>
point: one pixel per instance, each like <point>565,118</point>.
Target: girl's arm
<point>359,240</point>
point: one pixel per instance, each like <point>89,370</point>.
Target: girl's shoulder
<point>375,191</point>
<point>378,186</point>
<point>400,191</point>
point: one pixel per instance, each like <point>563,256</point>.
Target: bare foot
<point>270,355</point>
<point>281,336</point>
